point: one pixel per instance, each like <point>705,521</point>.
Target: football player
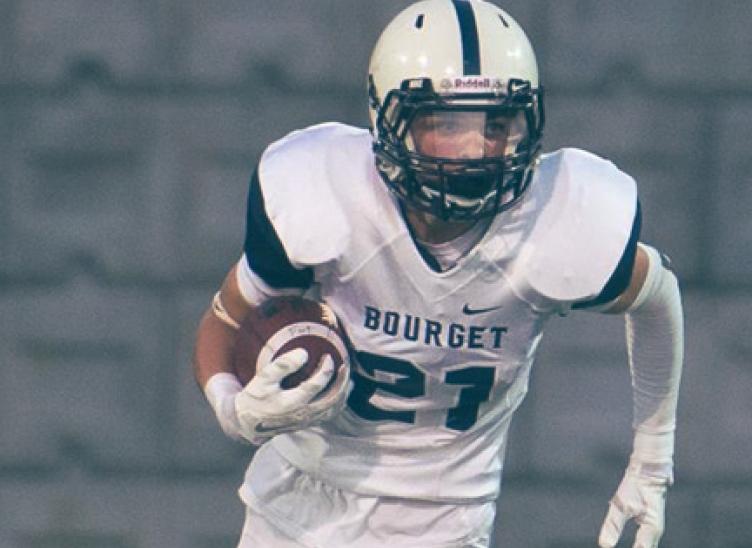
<point>444,239</point>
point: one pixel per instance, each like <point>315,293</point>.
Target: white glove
<point>264,409</point>
<point>642,497</point>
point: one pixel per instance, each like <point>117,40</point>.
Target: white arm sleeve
<point>254,289</point>
<point>655,345</point>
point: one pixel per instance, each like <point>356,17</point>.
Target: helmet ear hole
<point>419,21</point>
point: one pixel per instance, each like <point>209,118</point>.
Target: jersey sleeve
<point>263,249</point>
<point>296,229</point>
<point>619,280</point>
<point>581,246</point>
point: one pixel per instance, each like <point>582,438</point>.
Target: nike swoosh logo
<point>471,311</point>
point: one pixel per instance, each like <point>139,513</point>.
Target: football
<point>281,324</point>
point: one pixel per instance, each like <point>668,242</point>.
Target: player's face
<point>463,135</point>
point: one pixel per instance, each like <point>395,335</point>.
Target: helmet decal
<point>469,34</point>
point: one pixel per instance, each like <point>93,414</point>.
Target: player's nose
<point>471,144</point>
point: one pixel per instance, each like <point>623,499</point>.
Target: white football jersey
<point>441,360</point>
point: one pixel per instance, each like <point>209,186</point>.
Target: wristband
<point>220,391</point>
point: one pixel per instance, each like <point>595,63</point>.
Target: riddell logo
<point>472,83</point>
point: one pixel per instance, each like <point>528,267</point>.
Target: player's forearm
<point>212,365</point>
<point>655,340</point>
<point>213,350</point>
<point>215,338</point>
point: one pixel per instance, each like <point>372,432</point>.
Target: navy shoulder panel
<point>619,280</point>
<point>263,249</point>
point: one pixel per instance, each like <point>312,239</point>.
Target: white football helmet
<point>442,60</point>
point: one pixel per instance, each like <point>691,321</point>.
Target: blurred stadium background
<point>128,130</point>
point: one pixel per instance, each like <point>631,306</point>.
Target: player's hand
<point>264,409</point>
<point>641,497</point>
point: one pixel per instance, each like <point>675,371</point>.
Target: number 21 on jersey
<point>473,385</point>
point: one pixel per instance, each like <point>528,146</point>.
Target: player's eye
<point>446,125</point>
<point>497,127</point>
<point>424,122</point>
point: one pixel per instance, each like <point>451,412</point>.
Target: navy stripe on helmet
<point>469,34</point>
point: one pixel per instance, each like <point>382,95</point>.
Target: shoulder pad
<point>295,174</point>
<point>586,208</point>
